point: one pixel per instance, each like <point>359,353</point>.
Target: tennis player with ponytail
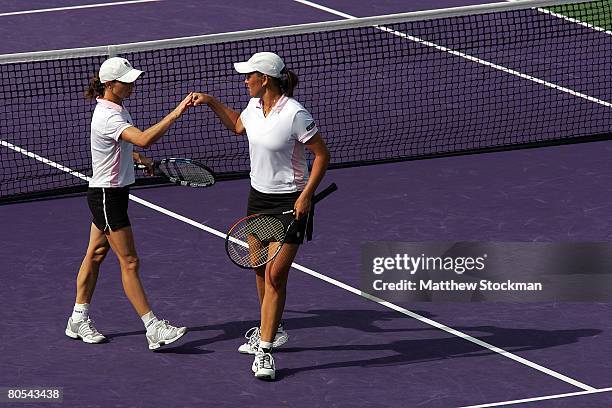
<point>278,128</point>
<point>112,138</point>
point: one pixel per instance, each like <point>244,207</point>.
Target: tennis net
<point>386,88</point>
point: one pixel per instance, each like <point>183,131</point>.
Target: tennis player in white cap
<point>112,138</point>
<point>279,129</point>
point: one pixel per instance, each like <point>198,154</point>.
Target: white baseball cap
<point>118,69</point>
<point>265,62</point>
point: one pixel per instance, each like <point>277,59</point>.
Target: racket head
<point>255,240</point>
<point>186,172</point>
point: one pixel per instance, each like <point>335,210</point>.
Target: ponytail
<point>288,82</point>
<point>95,88</point>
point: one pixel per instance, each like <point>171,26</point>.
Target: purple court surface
<point>344,350</point>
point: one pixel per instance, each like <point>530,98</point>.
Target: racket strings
<point>188,172</point>
<point>256,239</point>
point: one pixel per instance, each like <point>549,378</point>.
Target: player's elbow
<point>144,141</point>
<point>142,144</point>
<point>237,129</point>
<point>146,144</point>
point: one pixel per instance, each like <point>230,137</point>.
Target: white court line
<point>465,56</point>
<point>44,160</point>
<point>329,280</point>
<point>544,398</point>
<point>570,19</point>
<point>588,389</point>
<point>575,21</point>
<point>380,301</point>
<point>84,6</point>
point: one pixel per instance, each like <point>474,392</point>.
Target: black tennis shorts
<point>109,207</point>
<point>264,203</point>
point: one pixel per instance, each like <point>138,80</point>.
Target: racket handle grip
<point>328,190</point>
<point>141,166</point>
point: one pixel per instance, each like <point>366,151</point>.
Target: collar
<point>108,104</point>
<point>280,104</point>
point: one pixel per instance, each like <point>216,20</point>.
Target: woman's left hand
<point>302,206</point>
<point>148,163</point>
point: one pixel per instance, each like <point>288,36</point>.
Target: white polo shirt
<point>276,145</point>
<point>113,165</point>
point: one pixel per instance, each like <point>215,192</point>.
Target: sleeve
<point>304,126</point>
<point>115,125</point>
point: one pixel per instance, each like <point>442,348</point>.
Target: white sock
<point>80,312</point>
<point>265,346</point>
<point>149,319</point>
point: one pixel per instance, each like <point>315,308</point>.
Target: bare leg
<point>273,303</point>
<point>88,273</point>
<point>255,248</point>
<point>260,281</point>
<point>122,243</point>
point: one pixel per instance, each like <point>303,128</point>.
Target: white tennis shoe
<point>162,333</point>
<point>84,330</point>
<point>263,366</point>
<point>253,336</point>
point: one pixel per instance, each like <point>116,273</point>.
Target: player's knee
<point>98,254</point>
<point>277,282</point>
<point>130,263</point>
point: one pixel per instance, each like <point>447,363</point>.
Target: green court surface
<point>591,13</point>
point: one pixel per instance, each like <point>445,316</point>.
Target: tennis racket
<point>256,240</point>
<point>184,172</point>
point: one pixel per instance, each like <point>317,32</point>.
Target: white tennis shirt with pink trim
<point>113,165</point>
<point>276,145</point>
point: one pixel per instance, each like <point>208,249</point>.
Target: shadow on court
<point>405,351</point>
<point>425,350</point>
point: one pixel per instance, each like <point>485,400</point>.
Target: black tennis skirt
<point>264,203</point>
<point>109,207</point>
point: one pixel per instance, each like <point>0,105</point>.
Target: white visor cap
<point>265,62</point>
<point>118,69</point>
